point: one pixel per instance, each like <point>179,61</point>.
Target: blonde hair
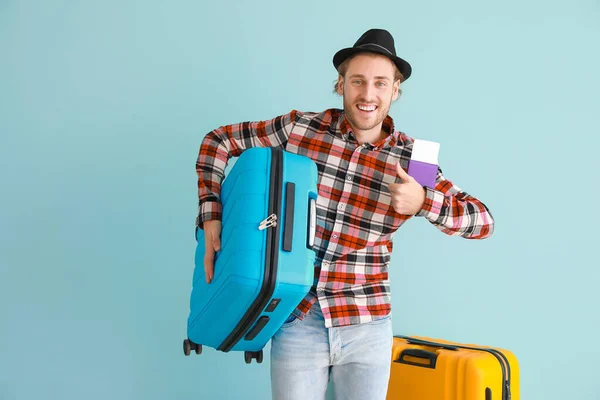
<point>343,68</point>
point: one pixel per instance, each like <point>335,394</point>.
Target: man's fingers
<point>396,188</point>
<point>209,258</point>
<point>212,244</point>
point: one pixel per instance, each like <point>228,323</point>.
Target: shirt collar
<point>343,130</point>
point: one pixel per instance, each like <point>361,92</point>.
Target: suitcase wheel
<point>249,355</point>
<point>188,346</point>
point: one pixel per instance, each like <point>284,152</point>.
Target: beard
<point>353,114</point>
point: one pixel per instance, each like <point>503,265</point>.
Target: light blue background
<point>102,109</point>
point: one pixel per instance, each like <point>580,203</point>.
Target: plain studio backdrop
<point>102,109</point>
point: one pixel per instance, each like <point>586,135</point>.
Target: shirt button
<point>349,177</point>
<point>324,264</point>
<point>341,206</point>
<point>334,236</point>
<point>320,289</point>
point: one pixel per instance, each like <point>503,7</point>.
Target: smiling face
<point>368,88</point>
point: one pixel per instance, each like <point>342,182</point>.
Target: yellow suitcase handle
<point>420,354</point>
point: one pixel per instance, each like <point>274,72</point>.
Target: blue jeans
<point>305,355</point>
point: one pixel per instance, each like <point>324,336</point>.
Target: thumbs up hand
<point>407,197</point>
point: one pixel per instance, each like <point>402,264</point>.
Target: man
<point>342,329</point>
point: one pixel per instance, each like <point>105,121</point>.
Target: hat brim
<point>403,66</point>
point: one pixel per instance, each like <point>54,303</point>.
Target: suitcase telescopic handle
<point>421,342</point>
<point>312,221</point>
<point>418,353</point>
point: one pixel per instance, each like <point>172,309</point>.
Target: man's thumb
<point>401,173</point>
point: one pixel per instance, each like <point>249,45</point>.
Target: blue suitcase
<point>266,263</point>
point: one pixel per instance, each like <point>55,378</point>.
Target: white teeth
<point>367,108</point>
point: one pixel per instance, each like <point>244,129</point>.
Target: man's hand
<point>407,197</point>
<point>212,241</point>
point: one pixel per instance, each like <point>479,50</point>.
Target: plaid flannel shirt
<point>355,219</point>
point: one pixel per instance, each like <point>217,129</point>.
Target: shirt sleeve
<point>455,212</point>
<point>219,145</point>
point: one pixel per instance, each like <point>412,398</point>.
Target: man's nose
<point>368,92</point>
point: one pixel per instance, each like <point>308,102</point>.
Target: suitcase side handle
<point>418,353</point>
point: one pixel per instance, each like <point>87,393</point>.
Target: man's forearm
<point>457,214</point>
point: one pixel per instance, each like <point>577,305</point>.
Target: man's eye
<point>356,82</point>
<point>380,83</point>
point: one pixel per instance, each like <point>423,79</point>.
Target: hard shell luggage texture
<point>433,369</point>
<point>265,265</point>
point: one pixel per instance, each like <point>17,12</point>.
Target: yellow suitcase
<point>432,369</point>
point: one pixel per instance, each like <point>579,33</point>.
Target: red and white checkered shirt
<point>355,219</point>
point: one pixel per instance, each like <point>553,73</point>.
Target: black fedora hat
<point>378,41</point>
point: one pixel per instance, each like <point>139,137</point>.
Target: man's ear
<point>340,85</point>
<point>397,90</point>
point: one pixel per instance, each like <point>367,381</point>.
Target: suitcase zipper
<point>270,221</point>
<point>272,253</point>
<point>504,364</point>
